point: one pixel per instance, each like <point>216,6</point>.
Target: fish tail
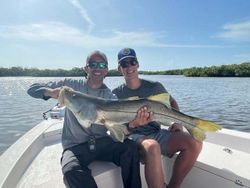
<point>116,131</point>
<point>207,125</point>
<point>202,126</point>
<point>198,134</point>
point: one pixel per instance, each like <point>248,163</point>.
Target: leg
<point>153,164</point>
<point>130,165</point>
<point>76,174</point>
<point>79,178</point>
<point>126,156</point>
<point>189,151</point>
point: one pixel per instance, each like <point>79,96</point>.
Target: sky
<point>166,34</point>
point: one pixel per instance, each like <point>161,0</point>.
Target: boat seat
<point>45,171</point>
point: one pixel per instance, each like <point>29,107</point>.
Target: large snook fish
<point>113,113</point>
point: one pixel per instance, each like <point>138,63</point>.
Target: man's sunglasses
<point>125,64</point>
<point>97,64</point>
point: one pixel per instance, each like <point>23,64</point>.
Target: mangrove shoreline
<point>233,70</point>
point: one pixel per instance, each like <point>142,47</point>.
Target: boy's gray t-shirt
<point>147,88</point>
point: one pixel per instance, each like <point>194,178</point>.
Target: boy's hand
<point>175,127</point>
<point>143,117</point>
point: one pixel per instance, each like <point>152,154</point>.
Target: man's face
<point>97,67</point>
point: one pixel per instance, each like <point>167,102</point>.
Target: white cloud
<point>62,33</point>
<point>83,13</point>
<point>238,32</point>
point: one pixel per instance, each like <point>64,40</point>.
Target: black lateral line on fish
<point>162,115</point>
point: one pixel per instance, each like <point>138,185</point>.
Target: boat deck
<point>45,169</point>
<point>217,165</point>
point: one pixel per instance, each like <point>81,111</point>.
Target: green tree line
<point>74,72</point>
<point>234,70</point>
<point>239,70</point>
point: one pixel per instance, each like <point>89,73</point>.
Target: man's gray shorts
<point>162,137</point>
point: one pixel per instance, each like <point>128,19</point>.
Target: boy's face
<point>129,68</point>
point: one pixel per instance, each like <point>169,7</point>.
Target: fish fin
<point>207,125</point>
<point>133,98</point>
<point>116,130</point>
<point>84,123</point>
<point>202,126</point>
<point>198,134</point>
<point>162,97</point>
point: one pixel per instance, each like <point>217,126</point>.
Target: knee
<point>78,179</point>
<point>151,147</point>
<point>68,175</point>
<point>195,145</point>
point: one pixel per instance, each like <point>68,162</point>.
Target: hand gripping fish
<point>113,113</point>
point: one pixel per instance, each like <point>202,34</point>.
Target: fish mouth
<point>64,95</point>
<point>61,97</point>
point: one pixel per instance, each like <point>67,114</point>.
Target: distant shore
<point>233,70</point>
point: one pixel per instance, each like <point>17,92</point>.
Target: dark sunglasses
<point>125,64</point>
<point>97,64</point>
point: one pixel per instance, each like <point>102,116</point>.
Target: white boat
<point>34,161</point>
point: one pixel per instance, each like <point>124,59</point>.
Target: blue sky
<point>166,34</point>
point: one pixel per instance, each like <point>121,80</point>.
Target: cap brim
<point>129,56</point>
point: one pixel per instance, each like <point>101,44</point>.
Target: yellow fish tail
<point>202,126</point>
<point>198,134</point>
<point>207,125</point>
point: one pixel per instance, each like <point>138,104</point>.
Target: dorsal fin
<point>162,97</point>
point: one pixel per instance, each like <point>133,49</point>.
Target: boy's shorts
<point>162,137</point>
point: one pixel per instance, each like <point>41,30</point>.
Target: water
<point>223,100</point>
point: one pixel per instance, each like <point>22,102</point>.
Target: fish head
<point>78,103</point>
<point>62,95</point>
<point>69,98</point>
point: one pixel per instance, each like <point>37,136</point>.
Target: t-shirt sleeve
<point>159,88</point>
<point>37,90</point>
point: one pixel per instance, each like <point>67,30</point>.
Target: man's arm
<point>45,91</point>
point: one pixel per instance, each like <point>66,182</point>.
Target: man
<point>81,146</point>
<point>153,140</point>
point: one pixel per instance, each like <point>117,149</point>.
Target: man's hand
<point>54,93</point>
<point>143,117</point>
<point>175,127</point>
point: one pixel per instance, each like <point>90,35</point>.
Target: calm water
<point>223,100</point>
